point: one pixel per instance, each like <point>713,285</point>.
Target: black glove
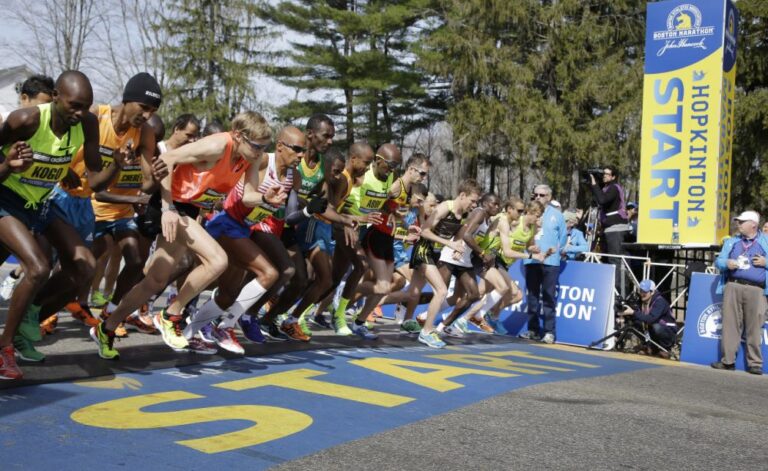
<point>317,205</point>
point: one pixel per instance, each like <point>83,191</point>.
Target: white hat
<point>555,203</point>
<point>748,216</point>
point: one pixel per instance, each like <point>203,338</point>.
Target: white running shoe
<point>225,338</point>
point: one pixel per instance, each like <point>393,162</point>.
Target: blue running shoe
<point>363,332</point>
<point>251,328</point>
<point>431,339</point>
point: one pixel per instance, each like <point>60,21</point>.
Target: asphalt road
<point>668,416</point>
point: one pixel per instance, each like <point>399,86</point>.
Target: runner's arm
<point>99,176</point>
<point>146,150</point>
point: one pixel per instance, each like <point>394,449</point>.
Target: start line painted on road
<point>261,411</point>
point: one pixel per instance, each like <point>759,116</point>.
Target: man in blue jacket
<point>541,277</point>
<point>743,284</point>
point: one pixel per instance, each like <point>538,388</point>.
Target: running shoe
<point>6,289</point>
<point>206,333</point>
<point>549,338</point>
<point>48,326</point>
<point>431,339</point>
<point>200,346</point>
<point>271,332</point>
<point>411,326</point>
<point>98,299</point>
<point>498,327</point>
<point>529,335</point>
<point>481,324</point>
<point>104,342</point>
<point>82,313</point>
<point>303,326</point>
<point>320,321</point>
<point>140,323</point>
<point>25,350</point>
<point>8,367</point>
<point>460,324</point>
<point>292,330</point>
<point>452,331</point>
<point>251,329</point>
<point>171,330</point>
<point>226,339</point>
<point>363,332</point>
<point>340,326</point>
<point>29,326</point>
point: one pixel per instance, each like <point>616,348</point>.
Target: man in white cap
<point>654,311</point>
<point>743,284</point>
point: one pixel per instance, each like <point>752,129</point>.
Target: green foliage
<point>358,51</point>
<point>210,57</point>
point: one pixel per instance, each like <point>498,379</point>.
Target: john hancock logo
<point>710,323</point>
<point>684,30</point>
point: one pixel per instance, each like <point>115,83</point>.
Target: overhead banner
<point>687,128</point>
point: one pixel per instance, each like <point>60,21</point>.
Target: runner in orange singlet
<point>201,174</point>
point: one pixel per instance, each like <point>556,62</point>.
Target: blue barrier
<point>703,325</point>
<point>584,308</point>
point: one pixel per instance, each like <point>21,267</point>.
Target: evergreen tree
<point>358,51</point>
<point>211,57</point>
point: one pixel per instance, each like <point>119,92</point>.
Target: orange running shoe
<point>82,313</point>
<point>48,326</point>
<point>293,331</point>
<point>141,323</point>
<point>482,325</point>
<point>8,367</point>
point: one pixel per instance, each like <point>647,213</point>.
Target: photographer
<point>654,311</point>
<point>613,214</point>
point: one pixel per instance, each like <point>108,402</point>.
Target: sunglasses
<point>255,146</point>
<point>422,173</point>
<point>538,195</point>
<point>296,148</point>
<point>390,163</point>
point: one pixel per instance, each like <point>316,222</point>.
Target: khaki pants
<point>743,309</point>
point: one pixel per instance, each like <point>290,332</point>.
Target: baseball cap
<point>748,216</point>
<point>631,205</point>
<point>647,286</point>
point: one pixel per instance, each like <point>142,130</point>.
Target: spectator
<point>541,277</point>
<point>654,311</point>
<point>576,243</point>
<point>742,283</point>
<point>632,217</point>
<point>613,216</point>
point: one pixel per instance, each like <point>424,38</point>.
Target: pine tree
<point>211,57</point>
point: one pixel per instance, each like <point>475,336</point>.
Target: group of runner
<point>285,239</point>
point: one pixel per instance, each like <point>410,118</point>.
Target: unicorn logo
<point>683,21</point>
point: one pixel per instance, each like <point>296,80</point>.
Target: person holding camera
<point>655,312</point>
<point>613,214</point>
<point>743,285</point>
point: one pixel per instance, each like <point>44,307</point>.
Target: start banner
<point>687,125</point>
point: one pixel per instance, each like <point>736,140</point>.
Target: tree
<point>358,52</point>
<point>211,57</point>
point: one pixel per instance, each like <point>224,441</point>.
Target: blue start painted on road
<point>266,410</point>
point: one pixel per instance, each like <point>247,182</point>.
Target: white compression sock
<point>490,300</point>
<point>249,295</point>
<point>203,316</point>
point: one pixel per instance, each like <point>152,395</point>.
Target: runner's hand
<point>143,199</point>
<point>126,156</point>
<point>374,218</point>
<point>159,169</point>
<point>169,221</point>
<point>456,245</point>
<point>350,236</point>
<point>275,195</point>
<point>20,157</point>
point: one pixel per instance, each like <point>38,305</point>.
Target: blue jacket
<point>722,259</point>
<point>553,234</point>
<point>578,244</point>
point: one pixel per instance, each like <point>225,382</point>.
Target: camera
<point>632,300</point>
<point>597,172</point>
